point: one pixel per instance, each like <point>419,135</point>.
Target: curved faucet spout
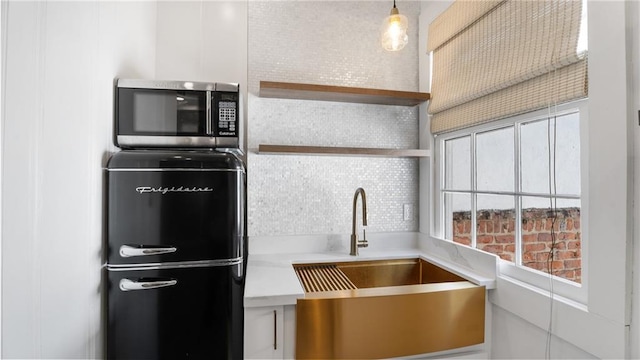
<point>355,243</point>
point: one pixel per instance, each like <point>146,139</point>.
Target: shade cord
<point>551,132</point>
<point>553,201</point>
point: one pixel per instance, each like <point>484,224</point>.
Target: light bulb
<point>394,31</point>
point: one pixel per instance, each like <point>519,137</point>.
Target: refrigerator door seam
<point>171,169</point>
<point>175,265</point>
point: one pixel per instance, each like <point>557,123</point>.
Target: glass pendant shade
<point>394,31</point>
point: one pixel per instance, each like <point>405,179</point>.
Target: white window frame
<point>538,281</point>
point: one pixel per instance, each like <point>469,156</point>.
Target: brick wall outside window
<point>496,234</point>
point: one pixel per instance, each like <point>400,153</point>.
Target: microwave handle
<point>209,124</point>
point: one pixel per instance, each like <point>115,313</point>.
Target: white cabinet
<point>289,329</point>
<point>269,332</point>
<point>263,332</point>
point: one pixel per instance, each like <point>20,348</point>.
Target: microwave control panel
<point>226,114</point>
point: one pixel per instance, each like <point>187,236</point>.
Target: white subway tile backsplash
<point>314,195</point>
<point>332,43</point>
<point>320,123</point>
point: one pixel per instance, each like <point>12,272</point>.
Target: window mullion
<point>473,195</point>
<point>442,184</point>
<point>518,198</point>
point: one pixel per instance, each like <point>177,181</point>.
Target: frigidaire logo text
<point>173,189</point>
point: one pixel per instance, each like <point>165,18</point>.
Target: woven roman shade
<point>494,59</point>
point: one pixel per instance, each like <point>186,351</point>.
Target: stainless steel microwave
<point>176,114</point>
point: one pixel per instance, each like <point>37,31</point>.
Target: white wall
<point>60,59</point>
<point>516,338</point>
<point>202,41</point>
<point>3,32</point>
<point>428,12</point>
<point>633,15</point>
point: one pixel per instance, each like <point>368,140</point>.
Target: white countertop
<point>272,281</point>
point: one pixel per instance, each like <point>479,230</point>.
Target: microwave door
<point>159,118</point>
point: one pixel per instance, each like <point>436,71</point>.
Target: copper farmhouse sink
<point>385,308</point>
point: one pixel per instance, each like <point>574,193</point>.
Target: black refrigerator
<point>176,250</point>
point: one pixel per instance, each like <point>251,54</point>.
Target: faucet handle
<point>363,243</point>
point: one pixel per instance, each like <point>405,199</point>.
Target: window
<point>512,188</point>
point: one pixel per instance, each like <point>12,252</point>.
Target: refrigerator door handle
<point>129,251</point>
<point>130,285</point>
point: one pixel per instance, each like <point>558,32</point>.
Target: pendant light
<point>394,30</point>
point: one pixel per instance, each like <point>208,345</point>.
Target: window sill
<point>556,297</point>
<point>533,280</point>
<point>537,281</point>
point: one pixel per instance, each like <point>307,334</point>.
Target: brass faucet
<point>355,243</point>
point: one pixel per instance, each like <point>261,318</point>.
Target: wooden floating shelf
<point>283,90</point>
<point>340,151</point>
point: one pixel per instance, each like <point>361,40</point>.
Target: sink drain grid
<point>315,278</point>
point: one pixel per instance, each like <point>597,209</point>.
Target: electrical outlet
<point>407,212</point>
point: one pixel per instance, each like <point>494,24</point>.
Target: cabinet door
<point>263,332</point>
<point>289,337</point>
